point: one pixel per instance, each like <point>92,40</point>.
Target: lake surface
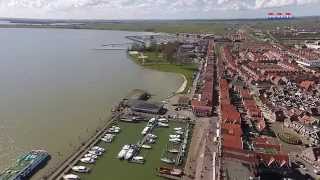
<point>56,90</point>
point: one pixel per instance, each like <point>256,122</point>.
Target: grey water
<point>56,90</point>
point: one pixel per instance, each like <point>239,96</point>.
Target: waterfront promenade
<point>75,157</point>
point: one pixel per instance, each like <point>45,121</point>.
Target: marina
<point>130,151</point>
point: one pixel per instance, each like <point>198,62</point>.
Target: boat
<point>171,171</point>
<point>87,160</point>
<point>173,136</point>
<point>98,153</point>
<point>178,129</point>
<point>129,154</point>
<point>160,124</point>
<point>123,151</point>
<point>26,165</point>
<point>146,146</point>
<point>163,120</point>
<point>71,177</point>
<point>145,130</point>
<point>152,120</point>
<point>175,140</point>
<point>173,150</point>
<point>80,169</point>
<point>138,159</point>
<point>167,160</point>
<point>108,138</point>
<point>91,156</point>
<point>97,148</point>
<point>150,141</point>
<point>114,129</point>
<point>180,132</point>
<point>152,136</point>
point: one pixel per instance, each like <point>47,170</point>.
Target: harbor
<point>133,141</point>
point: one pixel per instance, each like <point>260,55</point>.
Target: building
<point>146,107</point>
<point>309,63</point>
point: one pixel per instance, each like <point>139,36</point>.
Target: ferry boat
<point>26,165</point>
<point>71,177</point>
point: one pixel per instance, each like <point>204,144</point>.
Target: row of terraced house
<point>202,103</point>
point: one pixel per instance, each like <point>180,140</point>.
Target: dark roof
<point>146,106</point>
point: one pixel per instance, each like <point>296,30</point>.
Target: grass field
<point>156,62</point>
<point>168,26</point>
<point>110,167</point>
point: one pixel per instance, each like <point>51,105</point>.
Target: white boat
<point>123,151</point>
<point>98,153</point>
<point>173,136</point>
<point>152,120</point>
<point>175,140</point>
<point>163,120</point>
<point>87,160</point>
<point>180,132</point>
<point>178,129</point>
<point>160,124</point>
<point>91,156</point>
<point>145,130</point>
<point>71,177</point>
<point>152,136</point>
<point>116,127</point>
<point>80,169</point>
<point>105,140</point>
<point>129,154</point>
<point>146,146</point>
<point>173,150</point>
<point>138,159</point>
<point>150,141</point>
<point>97,148</point>
<point>167,160</point>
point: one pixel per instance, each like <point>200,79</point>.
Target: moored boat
<point>71,177</point>
<point>123,151</point>
<point>146,146</point>
<point>167,160</point>
<point>80,169</point>
<point>87,160</point>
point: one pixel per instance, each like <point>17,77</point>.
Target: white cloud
<point>135,8</point>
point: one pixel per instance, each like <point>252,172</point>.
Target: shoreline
<point>187,83</point>
<point>183,86</point>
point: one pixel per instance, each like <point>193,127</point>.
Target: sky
<point>154,9</point>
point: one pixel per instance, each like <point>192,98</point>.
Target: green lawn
<point>156,62</point>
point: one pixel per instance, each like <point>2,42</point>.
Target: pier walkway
<point>65,167</point>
